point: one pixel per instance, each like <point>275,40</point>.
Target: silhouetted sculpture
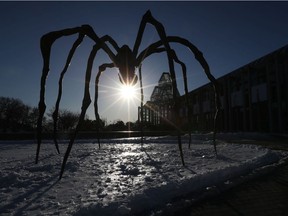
<point>126,60</point>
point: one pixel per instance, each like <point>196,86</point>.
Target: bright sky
<point>230,35</point>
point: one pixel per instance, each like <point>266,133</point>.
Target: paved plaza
<point>263,195</point>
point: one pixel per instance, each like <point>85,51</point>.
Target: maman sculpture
<point>127,61</point>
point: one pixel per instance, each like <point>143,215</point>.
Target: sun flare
<point>128,92</point>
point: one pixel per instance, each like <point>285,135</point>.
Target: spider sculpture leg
<point>46,50</point>
<point>87,100</point>
<point>204,64</point>
<point>149,52</point>
<point>199,57</point>
<point>68,61</point>
<point>46,44</point>
<point>184,72</point>
<point>85,104</point>
<point>141,105</point>
<point>148,18</point>
<point>102,68</point>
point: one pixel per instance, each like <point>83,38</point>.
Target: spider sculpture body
<point>128,62</point>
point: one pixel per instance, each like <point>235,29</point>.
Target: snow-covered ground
<point>121,178</point>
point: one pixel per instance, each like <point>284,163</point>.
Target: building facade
<point>253,98</point>
<point>158,110</point>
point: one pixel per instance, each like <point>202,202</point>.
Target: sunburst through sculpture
<point>128,92</point>
<point>128,62</point>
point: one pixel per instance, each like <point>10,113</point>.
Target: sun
<point>128,92</point>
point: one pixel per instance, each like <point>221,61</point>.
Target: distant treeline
<point>15,116</point>
<point>19,119</point>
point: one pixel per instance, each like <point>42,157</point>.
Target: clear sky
<point>230,35</point>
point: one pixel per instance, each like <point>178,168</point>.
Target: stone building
<point>253,97</point>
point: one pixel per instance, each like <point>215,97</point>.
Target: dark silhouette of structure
<point>254,98</point>
<point>159,109</point>
<point>126,60</point>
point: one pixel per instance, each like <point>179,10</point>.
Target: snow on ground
<point>121,178</point>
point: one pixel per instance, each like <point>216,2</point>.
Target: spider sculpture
<point>127,61</point>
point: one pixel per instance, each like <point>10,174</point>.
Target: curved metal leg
<point>184,72</point>
<point>101,69</point>
<point>56,111</point>
<point>148,18</point>
<point>204,64</point>
<point>141,105</point>
<point>47,41</point>
<point>85,104</point>
<point>199,57</point>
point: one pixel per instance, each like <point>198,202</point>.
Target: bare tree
<point>14,114</point>
<point>67,120</point>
